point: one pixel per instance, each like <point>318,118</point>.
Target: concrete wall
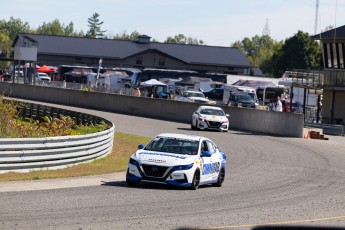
<point>275,123</point>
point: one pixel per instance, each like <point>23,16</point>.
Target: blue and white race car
<point>178,159</point>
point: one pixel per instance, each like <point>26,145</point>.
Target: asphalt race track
<point>270,181</point>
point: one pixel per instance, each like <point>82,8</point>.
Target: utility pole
<point>316,16</point>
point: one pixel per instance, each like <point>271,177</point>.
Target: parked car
<point>179,160</point>
<point>296,106</point>
<point>192,96</point>
<point>215,94</point>
<point>242,100</point>
<point>42,77</point>
<point>210,117</point>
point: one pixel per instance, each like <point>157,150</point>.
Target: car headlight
<point>201,119</point>
<point>133,162</point>
<point>182,167</point>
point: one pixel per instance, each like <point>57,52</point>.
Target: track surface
<point>270,180</point>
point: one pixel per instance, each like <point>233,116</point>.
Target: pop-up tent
<point>44,69</point>
<point>155,88</point>
<point>151,82</point>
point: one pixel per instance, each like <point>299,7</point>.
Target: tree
<point>182,39</point>
<point>5,48</point>
<point>259,51</point>
<point>95,27</point>
<point>13,27</point>
<point>299,52</point>
<point>124,36</point>
<point>56,28</point>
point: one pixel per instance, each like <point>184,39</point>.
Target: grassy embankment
<point>12,126</point>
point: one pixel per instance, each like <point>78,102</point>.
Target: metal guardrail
<point>329,129</point>
<point>37,111</point>
<point>27,154</point>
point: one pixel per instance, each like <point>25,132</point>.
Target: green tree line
<point>272,57</point>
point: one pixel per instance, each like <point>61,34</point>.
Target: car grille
<point>214,124</point>
<point>154,170</point>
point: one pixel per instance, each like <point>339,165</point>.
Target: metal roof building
<point>58,50</point>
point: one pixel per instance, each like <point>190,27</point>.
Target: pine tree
<point>95,27</point>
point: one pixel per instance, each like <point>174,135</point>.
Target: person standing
<point>278,105</point>
<point>137,93</point>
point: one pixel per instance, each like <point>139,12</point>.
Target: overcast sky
<point>216,22</point>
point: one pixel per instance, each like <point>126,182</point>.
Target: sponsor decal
<point>210,168</point>
<point>157,160</point>
<point>162,154</point>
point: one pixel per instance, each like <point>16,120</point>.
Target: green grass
<point>124,146</point>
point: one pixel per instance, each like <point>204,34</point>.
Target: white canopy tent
<point>151,82</point>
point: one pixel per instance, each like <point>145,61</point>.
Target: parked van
<point>228,89</point>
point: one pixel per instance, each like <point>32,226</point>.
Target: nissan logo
<point>154,168</point>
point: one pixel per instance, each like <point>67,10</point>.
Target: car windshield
<point>215,112</point>
<point>244,97</point>
<point>173,145</point>
<point>195,94</point>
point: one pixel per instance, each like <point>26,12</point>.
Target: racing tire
<point>221,177</point>
<point>131,182</point>
<point>192,126</point>
<point>196,125</point>
<point>196,180</point>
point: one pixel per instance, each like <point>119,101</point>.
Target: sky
<point>217,22</point>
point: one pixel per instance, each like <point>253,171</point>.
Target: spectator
<point>278,105</point>
<point>137,92</point>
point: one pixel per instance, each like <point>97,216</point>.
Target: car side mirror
<point>141,146</point>
<point>227,115</point>
<point>206,154</point>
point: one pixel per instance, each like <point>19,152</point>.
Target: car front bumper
<point>214,125</point>
<point>182,178</point>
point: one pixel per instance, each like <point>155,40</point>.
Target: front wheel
<point>196,180</point>
<point>192,126</point>
<point>131,182</point>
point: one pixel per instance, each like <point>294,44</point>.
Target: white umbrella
<point>151,82</point>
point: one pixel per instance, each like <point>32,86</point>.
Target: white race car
<point>179,160</point>
<point>210,117</point>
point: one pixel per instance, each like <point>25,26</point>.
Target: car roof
<point>182,136</point>
<point>192,91</point>
<point>209,107</point>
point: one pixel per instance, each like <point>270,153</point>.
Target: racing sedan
<point>210,117</point>
<point>177,159</point>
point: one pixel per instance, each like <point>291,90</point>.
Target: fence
<point>26,154</point>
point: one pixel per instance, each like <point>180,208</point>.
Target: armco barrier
<point>26,154</point>
<point>274,123</point>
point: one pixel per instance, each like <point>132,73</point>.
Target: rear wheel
<point>221,177</point>
<point>196,180</point>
